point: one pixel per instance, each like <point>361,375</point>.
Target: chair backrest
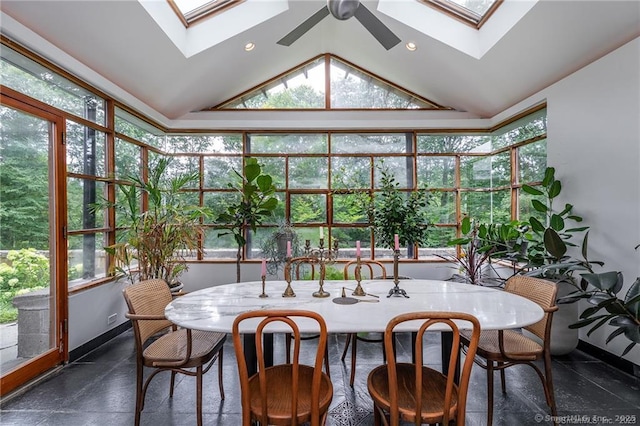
<point>148,297</point>
<point>538,290</point>
<point>287,318</point>
<point>301,264</point>
<point>453,320</point>
<point>374,268</point>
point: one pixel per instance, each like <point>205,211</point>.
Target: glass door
<point>32,277</point>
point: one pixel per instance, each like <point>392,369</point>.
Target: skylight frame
<point>207,9</point>
<point>461,13</point>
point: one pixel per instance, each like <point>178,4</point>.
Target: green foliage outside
<point>26,270</point>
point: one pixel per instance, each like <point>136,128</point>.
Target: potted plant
<point>601,290</point>
<point>156,242</point>
<point>395,212</point>
<point>256,202</point>
<point>274,246</point>
<point>548,256</point>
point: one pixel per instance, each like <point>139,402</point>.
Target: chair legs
<point>199,395</point>
<point>489,392</point>
<point>287,344</point>
<point>220,383</point>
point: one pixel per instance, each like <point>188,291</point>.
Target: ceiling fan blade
<point>376,27</point>
<point>301,29</point>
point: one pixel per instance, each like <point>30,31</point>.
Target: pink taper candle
<point>264,268</point>
<point>396,240</point>
<point>288,248</point>
<point>357,248</point>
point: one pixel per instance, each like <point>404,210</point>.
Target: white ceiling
<point>120,41</point>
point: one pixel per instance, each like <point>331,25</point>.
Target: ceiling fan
<point>343,10</point>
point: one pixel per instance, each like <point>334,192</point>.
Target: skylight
<point>473,12</point>
<point>190,11</point>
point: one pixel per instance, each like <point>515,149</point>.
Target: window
<point>471,12</point>
<point>190,11</point>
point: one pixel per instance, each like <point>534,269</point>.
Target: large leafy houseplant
<point>548,249</point>
<point>156,242</point>
<point>256,202</point>
<point>397,212</point>
<point>601,290</point>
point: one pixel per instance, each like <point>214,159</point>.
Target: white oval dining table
<point>215,308</point>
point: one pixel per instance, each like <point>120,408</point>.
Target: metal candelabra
<point>288,292</point>
<point>396,290</point>
<point>323,257</point>
<point>359,291</point>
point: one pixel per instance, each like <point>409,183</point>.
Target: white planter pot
<point>563,339</point>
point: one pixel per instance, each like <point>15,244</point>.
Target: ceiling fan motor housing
<point>343,9</point>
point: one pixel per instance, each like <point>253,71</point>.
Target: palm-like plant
<point>156,242</point>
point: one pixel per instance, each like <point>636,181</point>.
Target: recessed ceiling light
<point>411,46</point>
<point>249,46</point>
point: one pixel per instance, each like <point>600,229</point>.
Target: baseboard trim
<point>611,359</point>
<point>92,344</point>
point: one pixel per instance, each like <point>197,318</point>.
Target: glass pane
<point>302,88</point>
<point>442,207</point>
<point>452,143</point>
<point>218,202</point>
<point>350,173</point>
<point>182,165</point>
<point>487,207</point>
<point>138,129</point>
<point>384,144</point>
<point>400,167</point>
<point>127,159</point>
<point>520,130</point>
<point>28,261</point>
<point>216,144</point>
<point>353,88</point>
<point>218,169</point>
<point>301,143</point>
<point>85,150</point>
<point>34,80</point>
<point>87,258</point>
<point>485,172</point>
<point>308,208</point>
<point>274,167</point>
<point>437,239</point>
<point>123,213</point>
<point>219,247</point>
<point>350,208</point>
<point>436,172</point>
<point>347,238</point>
<point>82,194</point>
<point>308,172</point>
<point>532,161</point>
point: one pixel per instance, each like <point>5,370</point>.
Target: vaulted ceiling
<point>524,47</point>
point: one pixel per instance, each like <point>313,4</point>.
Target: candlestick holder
<point>288,292</point>
<point>396,290</point>
<point>359,291</point>
<point>323,257</point>
<point>263,294</point>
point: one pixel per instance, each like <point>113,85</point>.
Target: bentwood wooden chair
<point>284,394</point>
<point>417,394</point>
<point>161,346</point>
<point>501,349</point>
<point>304,267</point>
<point>372,268</point>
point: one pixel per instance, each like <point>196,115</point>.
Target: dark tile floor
<point>99,389</point>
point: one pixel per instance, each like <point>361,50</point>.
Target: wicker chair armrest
<point>510,356</point>
<point>137,317</point>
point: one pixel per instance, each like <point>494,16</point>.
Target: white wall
<point>594,143</point>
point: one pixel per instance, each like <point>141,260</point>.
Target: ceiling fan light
<point>343,9</point>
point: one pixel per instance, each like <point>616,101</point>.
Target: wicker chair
<point>299,266</point>
<point>500,349</point>
<point>375,269</point>
<point>284,394</point>
<point>176,350</point>
<point>417,394</point>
